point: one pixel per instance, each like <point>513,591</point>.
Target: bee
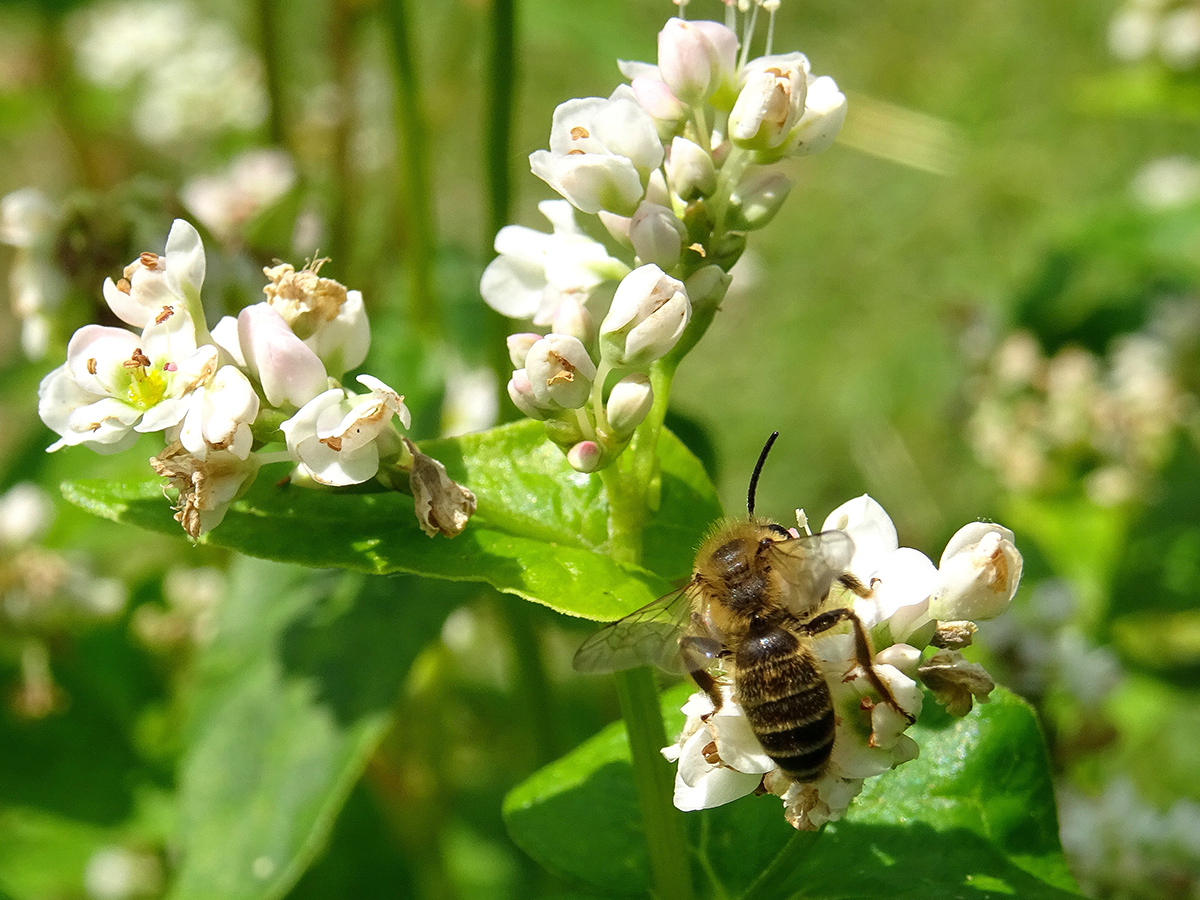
<point>753,604</point>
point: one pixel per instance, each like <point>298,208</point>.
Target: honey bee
<point>753,604</point>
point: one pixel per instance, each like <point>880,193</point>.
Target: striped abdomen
<point>786,700</point>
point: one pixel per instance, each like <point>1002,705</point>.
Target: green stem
<point>268,43</point>
<point>535,693</point>
<point>770,880</point>
<point>628,486</point>
<point>666,841</point>
<point>416,182</point>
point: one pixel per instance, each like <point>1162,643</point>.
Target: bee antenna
<point>762,458</point>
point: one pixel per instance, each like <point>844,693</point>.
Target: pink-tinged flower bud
<point>770,102</point>
<point>628,403</point>
<point>657,235</point>
<point>656,98</point>
<point>518,347</point>
<point>690,170</point>
<point>824,113</point>
<point>571,317</point>
<point>560,371</point>
<point>648,314</point>
<point>758,198</point>
<point>585,456</point>
<point>696,59</point>
<point>520,392</point>
<point>288,370</point>
<point>978,574</point>
<point>616,226</point>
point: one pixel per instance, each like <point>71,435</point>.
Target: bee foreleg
<point>862,650</point>
<point>697,652</point>
<point>851,583</point>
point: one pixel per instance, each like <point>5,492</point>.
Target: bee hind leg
<point>862,649</point>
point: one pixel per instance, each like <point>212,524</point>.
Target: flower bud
<point>585,456</point>
<point>520,392</point>
<point>648,314</point>
<point>563,432</point>
<point>696,59</point>
<point>758,198</point>
<point>560,371</point>
<point>628,403</point>
<point>571,317</point>
<point>690,170</point>
<point>770,102</point>
<point>824,113</point>
<point>518,347</point>
<point>978,574</point>
<point>288,370</point>
<point>657,235</point>
<point>656,98</point>
<point>706,287</point>
<point>616,226</point>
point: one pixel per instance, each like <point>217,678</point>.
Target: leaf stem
<point>770,880</point>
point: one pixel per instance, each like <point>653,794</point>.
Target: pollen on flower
<point>91,365</point>
<point>149,260</point>
<point>124,286</point>
<point>165,313</point>
<point>578,133</point>
<point>138,360</point>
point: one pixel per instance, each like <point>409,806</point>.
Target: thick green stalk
<point>416,178</point>
<point>269,42</point>
<point>501,91</point>
<point>628,489</point>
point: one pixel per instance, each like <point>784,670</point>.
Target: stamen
<point>138,360</point>
<point>164,314</point>
<point>91,365</point>
<point>149,260</point>
<point>578,133</point>
<point>124,286</point>
<point>333,443</point>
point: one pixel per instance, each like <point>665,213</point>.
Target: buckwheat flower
<point>535,271</point>
<point>289,371</point>
<point>520,392</point>
<point>978,574</point>
<point>629,402</point>
<point>770,101</point>
<point>585,456</point>
<point>560,372</point>
<point>601,154</point>
<point>219,415</point>
<point>207,487</point>
<point>696,59</point>
<point>115,383</point>
<point>153,282</point>
<point>653,95</point>
<point>226,201</point>
<point>690,171</point>
<point>824,114</point>
<point>331,320</point>
<point>758,197</point>
<point>648,315</point>
<point>657,235</point>
<point>339,437</point>
<point>26,513</point>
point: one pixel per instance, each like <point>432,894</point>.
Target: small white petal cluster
<point>671,166</point>
<point>908,612</point>
<point>222,398</point>
<point>1166,29</point>
<point>1039,421</point>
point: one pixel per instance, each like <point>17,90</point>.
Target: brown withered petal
<point>955,682</point>
<point>442,506</point>
<point>954,635</point>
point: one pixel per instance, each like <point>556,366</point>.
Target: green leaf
<point>539,532</point>
<point>973,817</point>
<point>292,696</point>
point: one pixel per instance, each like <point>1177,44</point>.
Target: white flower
<point>601,154</point>
<point>253,181</point>
<point>696,58</point>
<point>115,383</point>
<point>560,372</point>
<point>657,235</point>
<point>535,270</point>
<point>330,320</point>
<point>289,371</point>
<point>978,574</point>
<point>770,102</point>
<point>26,513</point>
<point>206,486</point>
<point>646,319</point>
<point>219,415</point>
<point>338,437</point>
<point>152,283</point>
<point>690,171</point>
<point>824,114</point>
<point>629,401</point>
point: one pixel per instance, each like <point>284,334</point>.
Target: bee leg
<point>850,582</point>
<point>862,650</point>
<point>697,653</point>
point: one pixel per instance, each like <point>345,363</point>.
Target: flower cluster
<point>912,606</point>
<point>270,375</point>
<point>1042,423</point>
<point>671,167</point>
<point>29,222</point>
<point>1168,29</point>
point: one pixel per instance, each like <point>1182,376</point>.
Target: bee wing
<point>647,636</point>
<point>808,566</point>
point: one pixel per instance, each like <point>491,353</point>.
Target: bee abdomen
<point>787,704</point>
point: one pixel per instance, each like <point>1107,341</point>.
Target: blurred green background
<point>997,199</point>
